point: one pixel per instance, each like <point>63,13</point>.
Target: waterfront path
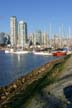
<point>58,94</point>
<point>64,80</point>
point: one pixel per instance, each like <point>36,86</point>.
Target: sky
<point>52,16</point>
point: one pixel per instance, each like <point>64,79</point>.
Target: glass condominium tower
<point>13,31</point>
<point>22,34</point>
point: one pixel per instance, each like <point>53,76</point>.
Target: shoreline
<point>24,82</point>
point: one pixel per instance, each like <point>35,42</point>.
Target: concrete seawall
<point>26,80</point>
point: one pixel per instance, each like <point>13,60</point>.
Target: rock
<point>6,93</point>
<point>3,97</point>
<point>23,80</point>
<point>14,86</point>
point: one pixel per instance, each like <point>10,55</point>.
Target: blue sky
<point>38,14</point>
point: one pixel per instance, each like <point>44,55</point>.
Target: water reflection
<point>18,57</point>
<point>14,66</point>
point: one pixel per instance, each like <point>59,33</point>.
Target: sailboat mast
<point>69,35</point>
<point>62,35</point>
<point>50,35</point>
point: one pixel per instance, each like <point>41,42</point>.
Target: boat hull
<point>59,53</point>
<point>41,53</point>
<point>17,52</point>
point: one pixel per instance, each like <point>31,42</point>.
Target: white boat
<point>6,51</point>
<point>21,52</point>
<point>9,50</point>
<point>16,52</point>
<point>42,53</point>
<point>69,52</point>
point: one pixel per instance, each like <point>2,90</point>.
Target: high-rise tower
<point>22,33</point>
<point>13,31</point>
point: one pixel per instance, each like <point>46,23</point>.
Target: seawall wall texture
<point>26,80</point>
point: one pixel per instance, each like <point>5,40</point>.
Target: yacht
<point>42,53</point>
<point>17,51</point>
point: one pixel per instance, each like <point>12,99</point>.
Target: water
<point>14,66</point>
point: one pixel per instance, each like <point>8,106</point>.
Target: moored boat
<point>6,51</point>
<point>41,53</point>
<point>16,52</point>
<point>69,52</point>
<point>59,53</point>
<point>21,52</point>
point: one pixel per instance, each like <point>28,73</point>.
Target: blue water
<point>14,66</point>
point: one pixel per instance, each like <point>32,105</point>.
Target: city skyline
<point>39,14</point>
<point>18,32</point>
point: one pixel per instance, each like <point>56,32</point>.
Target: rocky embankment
<point>15,95</point>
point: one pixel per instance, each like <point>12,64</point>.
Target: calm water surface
<point>14,66</point>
